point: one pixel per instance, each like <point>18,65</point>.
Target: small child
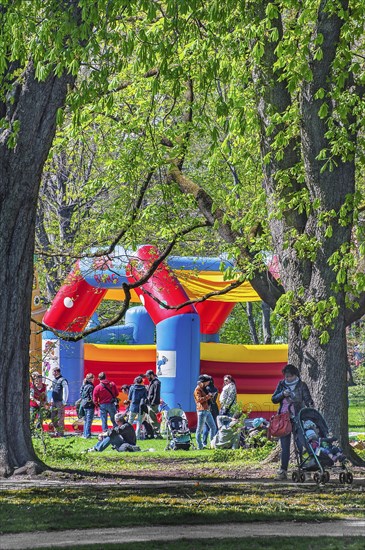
<point>332,451</point>
<point>311,433</point>
<point>322,446</point>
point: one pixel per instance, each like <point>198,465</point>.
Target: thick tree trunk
<point>324,368</point>
<point>20,173</point>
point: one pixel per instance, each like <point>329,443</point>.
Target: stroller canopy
<point>175,412</point>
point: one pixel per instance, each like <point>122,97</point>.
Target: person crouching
<point>121,438</point>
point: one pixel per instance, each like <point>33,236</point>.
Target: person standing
<point>210,388</point>
<point>202,408</point>
<point>105,397</point>
<point>153,400</point>
<point>137,395</point>
<point>38,399</point>
<point>292,394</point>
<point>228,397</point>
<point>87,403</point>
<point>58,402</point>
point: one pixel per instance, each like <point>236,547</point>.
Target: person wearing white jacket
<point>228,397</point>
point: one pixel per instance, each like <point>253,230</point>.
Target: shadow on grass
<point>57,508</point>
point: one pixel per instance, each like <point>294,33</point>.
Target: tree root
<point>31,468</point>
<point>274,456</point>
<point>354,458</point>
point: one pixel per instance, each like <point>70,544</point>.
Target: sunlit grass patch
<point>79,507</point>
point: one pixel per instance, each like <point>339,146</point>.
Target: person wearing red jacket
<point>38,399</point>
<point>105,397</point>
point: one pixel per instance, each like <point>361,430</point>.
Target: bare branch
<point>225,290</point>
<point>126,288</point>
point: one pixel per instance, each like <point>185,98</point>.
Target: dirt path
<point>74,538</point>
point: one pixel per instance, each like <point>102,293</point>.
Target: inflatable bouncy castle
<point>177,343</point>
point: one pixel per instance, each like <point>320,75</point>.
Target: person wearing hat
<point>153,400</point>
<point>203,410</point>
<point>213,406</point>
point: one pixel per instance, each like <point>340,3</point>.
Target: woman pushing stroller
<point>292,394</point>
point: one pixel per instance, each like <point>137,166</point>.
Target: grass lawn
<point>82,507</point>
<point>103,496</point>
<point>357,418</point>
<point>70,452</point>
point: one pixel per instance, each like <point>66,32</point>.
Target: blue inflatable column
<point>143,326</point>
<point>69,357</point>
<point>178,359</point>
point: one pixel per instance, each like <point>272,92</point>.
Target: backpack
<point>79,408</point>
<point>147,430</point>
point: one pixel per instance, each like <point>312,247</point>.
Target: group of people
<point>141,400</point>
<point>223,424</point>
<point>56,404</point>
<point>217,417</point>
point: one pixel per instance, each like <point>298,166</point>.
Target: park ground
<point>177,495</point>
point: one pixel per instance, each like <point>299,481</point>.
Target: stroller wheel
<point>295,477</point>
<point>317,477</point>
<point>342,477</point>
<point>302,477</point>
<point>326,476</point>
<point>349,478</point>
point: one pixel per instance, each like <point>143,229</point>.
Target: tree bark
<point>251,324</point>
<point>266,325</point>
<point>21,166</point>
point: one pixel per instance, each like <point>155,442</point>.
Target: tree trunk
<point>266,325</point>
<point>251,324</point>
<point>20,174</point>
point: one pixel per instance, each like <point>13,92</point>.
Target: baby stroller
<point>312,434</point>
<point>177,430</point>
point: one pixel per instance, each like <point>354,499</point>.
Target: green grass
<point>70,452</point>
<point>248,543</point>
<point>80,507</point>
<point>103,498</point>
<point>357,418</point>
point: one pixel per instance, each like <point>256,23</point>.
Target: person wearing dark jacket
<point>87,403</point>
<point>153,400</point>
<point>120,437</point>
<point>137,393</point>
<point>292,394</point>
<point>58,402</point>
<point>104,396</point>
<point>214,409</point>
